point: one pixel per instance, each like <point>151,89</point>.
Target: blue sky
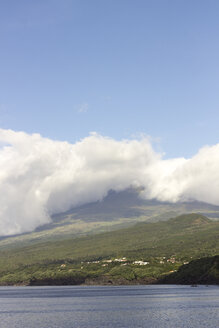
<point>118,67</point>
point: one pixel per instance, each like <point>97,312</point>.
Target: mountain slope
<point>178,240</point>
<point>116,210</point>
<point>201,271</point>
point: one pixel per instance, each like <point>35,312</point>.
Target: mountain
<point>116,210</point>
<point>136,254</point>
<point>128,204</point>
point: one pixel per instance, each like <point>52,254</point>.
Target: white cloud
<point>83,108</point>
<point>39,176</point>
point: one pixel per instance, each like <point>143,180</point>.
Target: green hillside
<point>163,246</point>
<point>202,271</point>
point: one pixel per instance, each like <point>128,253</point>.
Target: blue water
<point>123,306</point>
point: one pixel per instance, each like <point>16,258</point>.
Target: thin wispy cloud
<point>83,108</point>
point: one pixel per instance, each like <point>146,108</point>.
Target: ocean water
<point>150,306</point>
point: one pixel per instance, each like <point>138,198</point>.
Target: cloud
<point>82,108</point>
<point>40,177</point>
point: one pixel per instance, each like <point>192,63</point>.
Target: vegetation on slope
<point>201,271</point>
<point>164,245</point>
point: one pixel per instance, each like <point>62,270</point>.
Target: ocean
<point>152,306</point>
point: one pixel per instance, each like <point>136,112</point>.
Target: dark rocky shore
<point>101,280</point>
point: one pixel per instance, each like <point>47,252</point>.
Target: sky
<point>121,68</point>
<point>105,95</point>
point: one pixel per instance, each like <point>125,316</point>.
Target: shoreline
<point>115,283</point>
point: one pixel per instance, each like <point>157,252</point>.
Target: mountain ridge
<point>116,210</point>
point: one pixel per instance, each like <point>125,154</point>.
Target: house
<point>140,263</point>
